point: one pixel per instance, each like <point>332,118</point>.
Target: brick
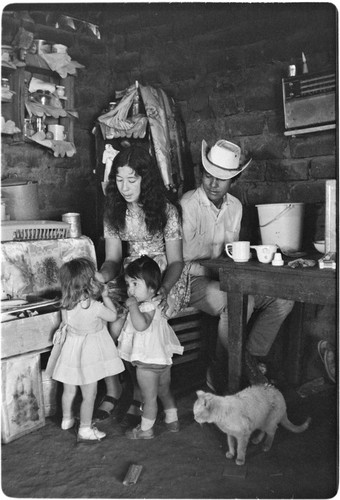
<point>182,73</point>
<point>256,193</point>
<point>254,172</point>
<point>223,106</point>
<point>313,145</point>
<point>246,124</point>
<point>308,192</point>
<point>323,167</point>
<point>286,170</point>
<point>266,147</point>
<point>127,62</point>
<point>216,60</point>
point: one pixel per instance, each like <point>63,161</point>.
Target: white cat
<point>259,407</point>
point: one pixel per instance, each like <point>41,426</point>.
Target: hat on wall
<point>222,160</point>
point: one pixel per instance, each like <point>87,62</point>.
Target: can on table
<point>73,218</point>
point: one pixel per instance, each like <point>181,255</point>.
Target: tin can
<point>292,70</point>
<point>5,83</point>
<point>73,218</point>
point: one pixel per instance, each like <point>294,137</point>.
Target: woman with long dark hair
<point>138,211</point>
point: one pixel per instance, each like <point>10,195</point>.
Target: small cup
<point>58,48</point>
<point>58,132</point>
<point>265,253</point>
<point>239,251</point>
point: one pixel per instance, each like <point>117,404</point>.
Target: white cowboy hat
<point>222,160</point>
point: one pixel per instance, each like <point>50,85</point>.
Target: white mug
<point>57,131</point>
<point>265,253</point>
<point>240,251</point>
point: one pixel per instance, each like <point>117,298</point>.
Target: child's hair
<point>146,269</point>
<point>78,282</point>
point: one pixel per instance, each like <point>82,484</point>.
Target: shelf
<point>309,130</point>
<point>45,32</point>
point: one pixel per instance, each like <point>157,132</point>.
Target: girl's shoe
<point>137,433</point>
<point>172,426</point>
<point>67,423</point>
<point>89,435</point>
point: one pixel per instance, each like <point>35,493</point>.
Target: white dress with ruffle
<point>155,345</point>
<point>87,353</point>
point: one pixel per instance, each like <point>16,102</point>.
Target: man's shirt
<point>206,229</point>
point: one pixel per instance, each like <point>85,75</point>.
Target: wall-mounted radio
<point>309,102</point>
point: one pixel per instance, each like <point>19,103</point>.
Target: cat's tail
<point>285,422</point>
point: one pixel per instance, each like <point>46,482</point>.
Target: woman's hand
<point>161,299</point>
<point>99,277</point>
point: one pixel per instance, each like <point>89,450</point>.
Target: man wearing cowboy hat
<point>212,218</point>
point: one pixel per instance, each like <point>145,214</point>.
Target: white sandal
<point>89,435</point>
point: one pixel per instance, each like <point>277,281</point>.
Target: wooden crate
<point>22,409</point>
<point>28,334</point>
<point>188,328</point>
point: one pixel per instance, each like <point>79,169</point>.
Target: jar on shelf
<point>28,128</point>
<point>60,90</point>
<point>40,125</point>
<point>44,96</point>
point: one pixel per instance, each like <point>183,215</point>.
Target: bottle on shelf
<point>135,104</point>
<point>28,127</point>
<point>304,64</point>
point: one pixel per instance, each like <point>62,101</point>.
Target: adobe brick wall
<point>223,63</point>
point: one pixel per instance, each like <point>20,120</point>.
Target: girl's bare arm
<point>140,320</point>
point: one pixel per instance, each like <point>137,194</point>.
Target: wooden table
<point>303,285</point>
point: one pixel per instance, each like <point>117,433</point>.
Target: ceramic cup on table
<point>265,253</point>
<point>239,251</point>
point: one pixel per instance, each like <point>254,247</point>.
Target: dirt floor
<point>48,463</point>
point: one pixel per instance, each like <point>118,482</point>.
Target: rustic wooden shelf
<point>308,130</point>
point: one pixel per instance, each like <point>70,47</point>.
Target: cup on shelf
<point>58,132</point>
<point>239,251</point>
<point>59,48</point>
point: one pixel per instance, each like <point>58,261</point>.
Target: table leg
<point>237,321</point>
<point>296,344</point>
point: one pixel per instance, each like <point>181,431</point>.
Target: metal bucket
<point>281,224</point>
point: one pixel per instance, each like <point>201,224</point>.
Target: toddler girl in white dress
<point>83,350</point>
<point>148,342</point>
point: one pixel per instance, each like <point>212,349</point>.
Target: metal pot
<point>22,199</point>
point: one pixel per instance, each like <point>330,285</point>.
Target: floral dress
<point>142,242</point>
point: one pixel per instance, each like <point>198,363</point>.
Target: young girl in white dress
<point>83,351</point>
<point>148,342</point>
